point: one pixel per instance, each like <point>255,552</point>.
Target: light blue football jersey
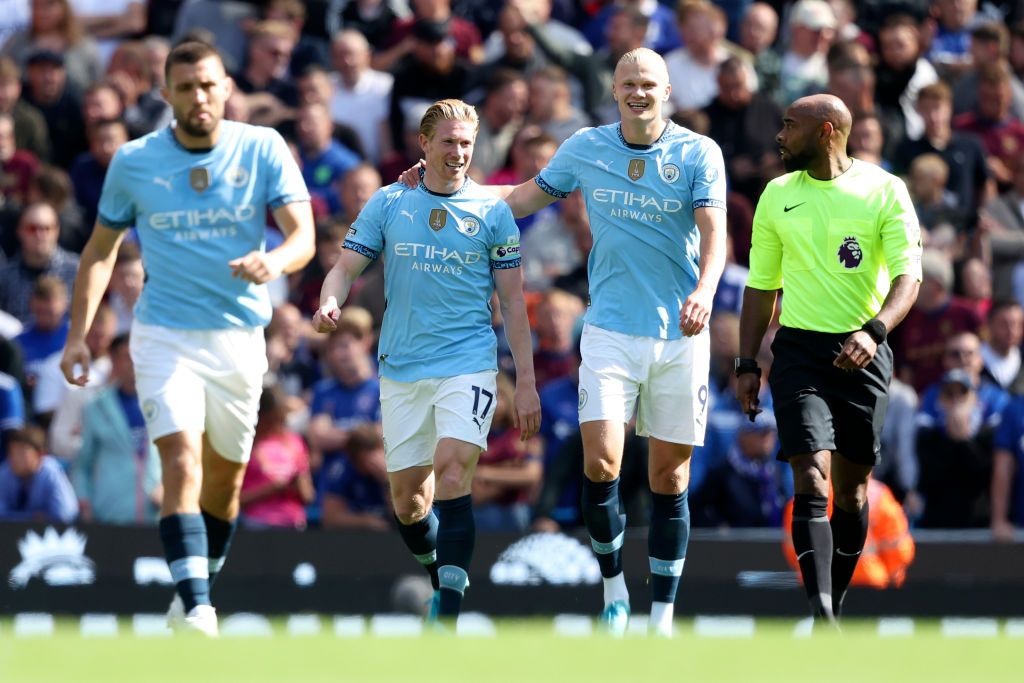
<point>195,211</point>
<point>439,251</point>
<point>640,200</point>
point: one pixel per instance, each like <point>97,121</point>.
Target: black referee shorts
<point>820,407</point>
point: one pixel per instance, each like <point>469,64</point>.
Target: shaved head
<point>825,109</point>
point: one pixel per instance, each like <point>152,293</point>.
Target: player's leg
<point>812,535</point>
<point>849,523</point>
<point>412,493</point>
<point>219,503</point>
<point>673,412</point>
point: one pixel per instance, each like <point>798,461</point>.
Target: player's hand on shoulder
<point>696,312</point>
<point>257,267</point>
<point>526,416</point>
<point>858,350</point>
<point>74,363</point>
<point>326,317</point>
<point>411,176</point>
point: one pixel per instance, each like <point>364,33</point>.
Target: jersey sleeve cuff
<point>505,265</point>
<point>361,249</point>
<point>115,225</point>
<point>554,192</point>
<point>289,199</point>
<point>712,203</point>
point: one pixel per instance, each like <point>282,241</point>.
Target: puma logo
<point>163,182</point>
<point>410,216</point>
<point>606,165</point>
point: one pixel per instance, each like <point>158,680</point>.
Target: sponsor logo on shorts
<point>150,409</point>
<point>583,398</point>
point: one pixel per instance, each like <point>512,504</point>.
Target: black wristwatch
<point>742,366</point>
<point>876,330</point>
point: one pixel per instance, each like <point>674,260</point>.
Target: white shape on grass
<point>349,626</point>
<point>574,625</point>
<point>804,628</point>
<point>724,627</point>
<point>98,625</point>
<point>33,625</point>
<point>150,625</point>
<point>304,625</point>
<point>246,625</point>
<point>954,627</point>
<point>637,625</point>
<point>476,625</point>
<point>1015,628</point>
<point>395,625</point>
<point>895,627</point>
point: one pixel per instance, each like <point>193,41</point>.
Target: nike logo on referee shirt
<point>787,209</point>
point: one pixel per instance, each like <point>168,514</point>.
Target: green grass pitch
<point>521,652</point>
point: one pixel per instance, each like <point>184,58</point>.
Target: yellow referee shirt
<point>834,245</point>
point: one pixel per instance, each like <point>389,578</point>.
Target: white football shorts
<point>668,377</point>
<point>415,415</point>
<point>201,381</point>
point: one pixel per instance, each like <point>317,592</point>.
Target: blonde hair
<point>354,320</point>
<point>639,54</point>
<point>447,110</point>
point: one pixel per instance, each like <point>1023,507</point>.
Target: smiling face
<point>449,150</point>
<point>640,88</point>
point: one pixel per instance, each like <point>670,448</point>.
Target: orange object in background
<point>889,548</point>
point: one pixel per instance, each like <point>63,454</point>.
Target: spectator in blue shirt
<point>324,159</point>
<point>12,410</point>
<point>33,485</point>
<point>42,342</point>
<point>355,489</point>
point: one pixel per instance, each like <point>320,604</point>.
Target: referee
<point>843,237</point>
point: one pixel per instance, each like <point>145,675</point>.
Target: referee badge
<point>636,169</point>
<point>438,219</point>
<point>199,178</point>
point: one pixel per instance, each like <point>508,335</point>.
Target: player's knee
<point>670,480</point>
<point>600,470</point>
<point>809,477</point>
<point>453,480</point>
<point>851,500</point>
<point>411,509</point>
<point>181,472</point>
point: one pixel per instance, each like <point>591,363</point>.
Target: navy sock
<point>849,532</point>
<point>456,536</point>
<point>606,523</point>
<point>812,541</point>
<point>667,539</point>
<point>219,533</point>
<point>184,539</point>
<point>421,540</point>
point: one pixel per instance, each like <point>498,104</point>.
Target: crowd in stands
<point>935,87</point>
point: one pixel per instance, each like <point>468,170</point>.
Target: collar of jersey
<point>618,130</point>
<point>465,184</point>
<point>848,172</point>
<point>183,148</point>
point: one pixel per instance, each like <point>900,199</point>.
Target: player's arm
<point>509,284</point>
<point>324,436</point>
<point>94,269</point>
<point>295,220</point>
<point>336,287</point>
<point>696,311</point>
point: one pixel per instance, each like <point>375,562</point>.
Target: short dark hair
<point>1001,305</point>
<point>363,439</point>
<point>189,52</point>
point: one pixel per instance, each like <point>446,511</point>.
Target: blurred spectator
<point>901,74</point>
<point>1000,353</point>
<point>463,35</point>
<point>935,205</point>
<point>17,166</point>
<point>126,282</point>
<point>90,168</point>
<point>356,493</point>
<point>131,72</point>
<point>505,102</point>
<point>33,486</point>
<point>976,283</point>
<point>374,19</point>
<point>737,116</point>
<point>897,462</point>
<point>324,159</point>
<point>1016,55</point>
<point>558,503</point>
<point>550,247</point>
<point>277,484</point>
<point>350,393</point>
<point>950,48</point>
<point>555,316</point>
<point>851,78</point>
<point>38,255</point>
<point>266,65</point>
<point>430,72</point>
<point>117,470</point>
<point>990,44</point>
<point>889,549</point>
<point>228,20</point>
<point>750,488</point>
<point>42,342</point>
<point>355,188</point>
<point>52,185</point>
<point>30,131</point>
<point>1001,134</point>
<point>508,474</point>
<point>48,90</point>
<point>919,344</point>
<point>1001,228</point>
<point>12,410</point>
<point>804,71</point>
<point>962,152</point>
<point>955,458</point>
<point>291,365</point>
<point>758,30</point>
<point>111,21</point>
<point>1007,511</point>
<point>867,140</point>
<point>529,153</point>
<point>56,29</point>
<point>660,35</point>
<point>305,294</point>
<point>550,106</point>
<point>16,16</point>
<point>361,95</point>
<point>101,101</point>
<point>309,50</point>
<point>702,26</point>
